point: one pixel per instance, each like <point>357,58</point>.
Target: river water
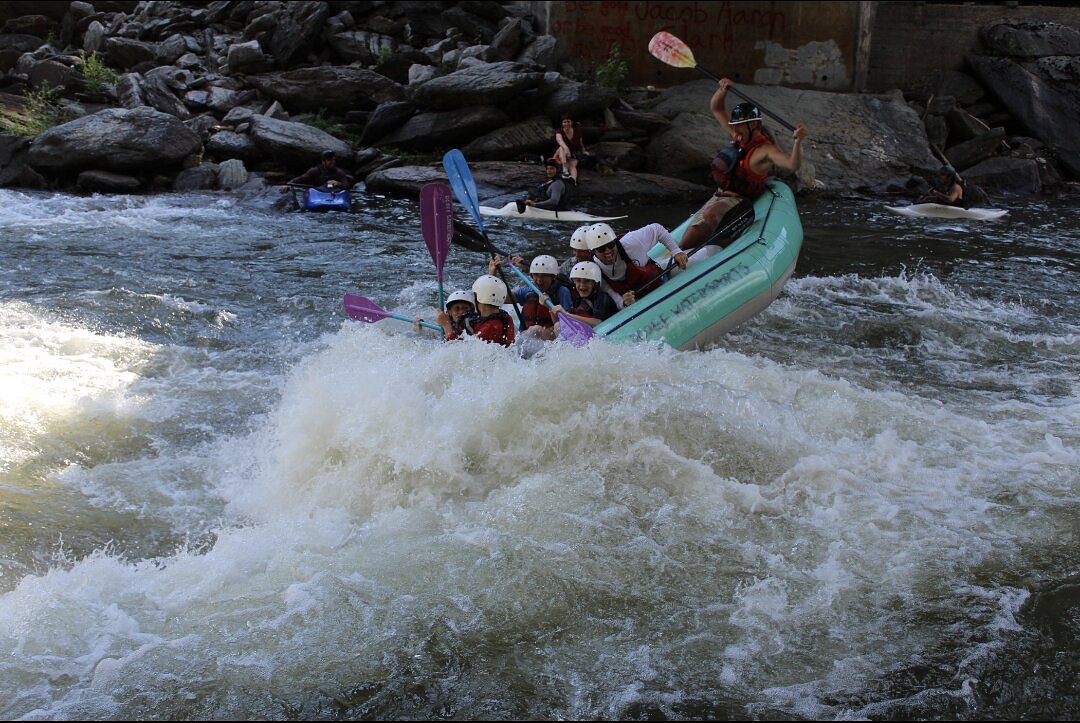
<point>221,498</point>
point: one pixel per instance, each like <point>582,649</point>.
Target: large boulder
<point>336,89</point>
<point>295,145</point>
<point>484,84</point>
<point>1043,96</point>
<point>855,141</point>
<point>117,139</point>
<point>431,131</point>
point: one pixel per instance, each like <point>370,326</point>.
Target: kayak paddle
<point>362,308</point>
<point>437,225</point>
<point>666,48</point>
<point>461,180</point>
<point>572,330</point>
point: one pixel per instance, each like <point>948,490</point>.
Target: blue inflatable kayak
<point>318,199</point>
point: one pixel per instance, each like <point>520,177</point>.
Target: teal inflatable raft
<point>720,288</point>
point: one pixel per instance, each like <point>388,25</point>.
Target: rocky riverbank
<point>156,96</point>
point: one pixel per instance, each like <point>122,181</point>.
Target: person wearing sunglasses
<point>624,260</point>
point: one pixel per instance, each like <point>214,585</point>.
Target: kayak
<point>938,210</point>
<point>316,199</point>
<point>510,210</point>
<point>720,288</point>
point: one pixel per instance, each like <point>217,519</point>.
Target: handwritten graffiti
<point>593,28</point>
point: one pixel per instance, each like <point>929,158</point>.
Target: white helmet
<point>586,270</point>
<point>544,264</point>
<point>461,295</point>
<point>489,290</point>
<point>598,235</point>
<point>580,240</point>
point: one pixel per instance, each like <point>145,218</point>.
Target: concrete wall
<point>912,39</point>
<point>841,46</point>
<point>796,44</point>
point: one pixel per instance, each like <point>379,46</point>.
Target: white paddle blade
<point>667,48</point>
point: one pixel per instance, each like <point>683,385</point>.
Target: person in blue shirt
<point>536,317</point>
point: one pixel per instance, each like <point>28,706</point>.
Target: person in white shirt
<point>624,260</point>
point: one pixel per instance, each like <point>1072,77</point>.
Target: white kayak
<point>510,210</point>
<point>938,210</point>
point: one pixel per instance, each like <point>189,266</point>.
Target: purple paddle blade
<point>362,308</point>
<point>574,331</point>
<point>437,222</point>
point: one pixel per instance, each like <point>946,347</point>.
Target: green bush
<point>96,75</point>
<point>41,111</point>
<point>614,72</point>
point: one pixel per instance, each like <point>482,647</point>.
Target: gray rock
<point>298,25</point>
<point>445,129</point>
<point>510,143</point>
<point>248,57</point>
<point>296,145</point>
<point>1015,175</point>
<point>1027,39</point>
<point>335,89</point>
<point>227,144</point>
<point>488,84</point>
<point>107,182</point>
<point>231,174</point>
<point>116,139</point>
<point>1046,108</point>
<point>198,178</point>
<point>126,53</point>
<point>385,119</point>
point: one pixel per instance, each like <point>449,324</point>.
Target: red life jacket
<point>496,329</point>
<point>742,180</point>
<point>533,313</point>
<point>637,278</point>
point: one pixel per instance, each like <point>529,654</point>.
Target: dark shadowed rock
<point>429,131</point>
<point>1028,39</point>
<point>499,182</point>
<point>107,182</point>
<point>1047,109</point>
<point>125,53</point>
<point>227,144</point>
<point>337,89</point>
<point>385,119</point>
<point>578,99</point>
<point>298,24</point>
<point>510,143</point>
<point>967,153</point>
<point>295,145</point>
<point>13,45</point>
<point>116,139</point>
<point>487,84</point>
<point>1010,175</point>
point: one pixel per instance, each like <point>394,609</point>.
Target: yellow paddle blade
<point>667,48</point>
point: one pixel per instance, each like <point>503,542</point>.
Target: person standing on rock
<point>740,170</point>
<point>325,174</point>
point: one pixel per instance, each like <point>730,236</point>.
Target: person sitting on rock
<point>570,148</point>
<point>552,194</point>
<point>326,174</point>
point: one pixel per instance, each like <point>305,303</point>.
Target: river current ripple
<point>221,498</point>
